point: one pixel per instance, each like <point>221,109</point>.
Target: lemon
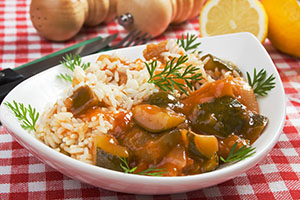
<point>231,16</point>
<point>284,25</point>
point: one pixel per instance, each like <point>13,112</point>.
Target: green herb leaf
<point>241,154</point>
<point>152,172</point>
<point>148,172</point>
<point>260,83</point>
<point>70,61</point>
<point>65,77</point>
<point>22,113</point>
<point>168,78</point>
<point>188,43</point>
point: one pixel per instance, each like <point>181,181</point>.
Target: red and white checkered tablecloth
<point>22,176</point>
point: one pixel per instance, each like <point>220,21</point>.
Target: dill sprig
<point>188,43</point>
<point>168,78</point>
<point>22,113</point>
<point>70,61</point>
<point>66,77</point>
<point>148,172</point>
<point>261,84</point>
<point>241,154</point>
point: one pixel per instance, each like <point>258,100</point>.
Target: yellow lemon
<point>231,16</point>
<point>284,25</point>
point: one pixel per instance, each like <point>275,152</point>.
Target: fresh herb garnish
<point>261,84</point>
<point>169,77</point>
<point>241,154</point>
<point>21,112</point>
<point>70,61</point>
<point>148,172</point>
<point>188,43</point>
<point>66,77</point>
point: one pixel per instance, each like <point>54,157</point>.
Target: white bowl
<point>243,49</point>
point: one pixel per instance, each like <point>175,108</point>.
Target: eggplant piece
<point>215,62</point>
<point>164,99</point>
<point>155,119</point>
<point>201,165</point>
<point>159,147</point>
<point>82,99</point>
<point>225,116</point>
<point>135,138</point>
<point>255,126</point>
<point>211,164</point>
<point>110,144</point>
<point>109,152</point>
<point>148,147</point>
<point>108,161</point>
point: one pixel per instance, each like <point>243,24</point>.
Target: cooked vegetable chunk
<point>202,145</point>
<point>159,147</point>
<point>224,116</point>
<point>107,160</point>
<point>210,164</point>
<point>109,144</point>
<point>255,126</point>
<point>109,152</point>
<point>154,51</point>
<point>174,162</point>
<point>214,63</point>
<point>244,93</point>
<point>207,93</point>
<point>150,148</point>
<point>81,100</point>
<point>163,99</point>
<point>135,139</point>
<point>156,119</point>
<point>227,143</point>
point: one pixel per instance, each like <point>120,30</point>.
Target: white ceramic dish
<point>243,49</point>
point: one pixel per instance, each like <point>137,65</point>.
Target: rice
<point>116,81</point>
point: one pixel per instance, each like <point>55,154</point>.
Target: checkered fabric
<point>22,176</point>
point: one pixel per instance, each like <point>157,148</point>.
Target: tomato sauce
<point>194,133</point>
